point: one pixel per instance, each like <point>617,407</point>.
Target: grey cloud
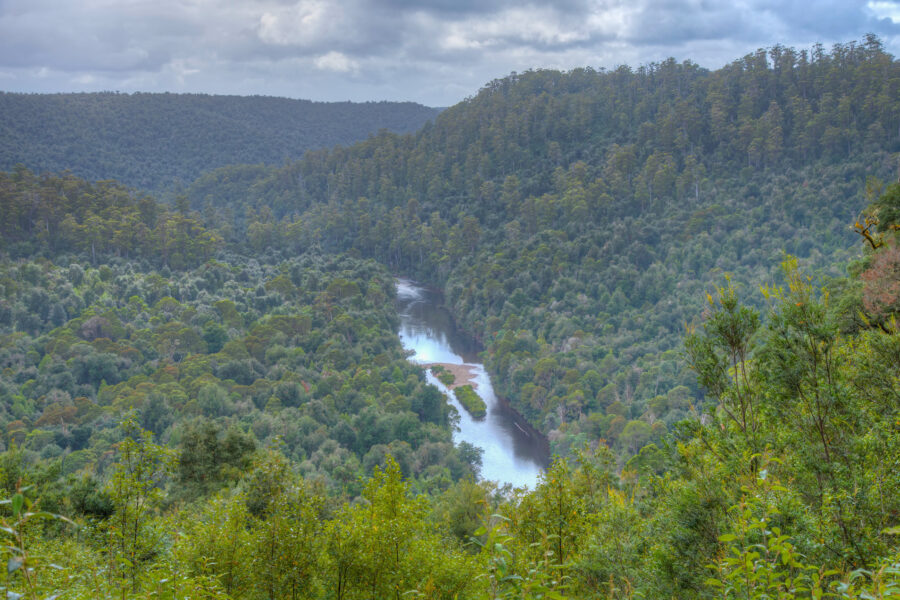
<point>446,7</point>
<point>456,9</point>
<point>684,23</point>
<point>826,17</point>
<point>68,38</point>
<point>670,23</point>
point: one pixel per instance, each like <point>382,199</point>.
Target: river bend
<point>513,452</point>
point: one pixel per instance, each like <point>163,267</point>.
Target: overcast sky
<point>436,52</point>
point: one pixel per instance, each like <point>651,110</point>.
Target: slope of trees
<point>50,215</point>
<point>575,220</point>
<point>788,488</point>
<point>242,422</point>
<point>139,317</point>
<point>154,141</point>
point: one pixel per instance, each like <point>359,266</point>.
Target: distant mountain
<point>151,141</point>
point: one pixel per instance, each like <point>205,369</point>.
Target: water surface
<point>513,452</point>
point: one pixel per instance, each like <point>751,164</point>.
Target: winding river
<point>513,452</point>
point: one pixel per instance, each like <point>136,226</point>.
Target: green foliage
<point>287,547</point>
<point>156,141</point>
<point>611,564</point>
<point>209,458</point>
<point>759,561</point>
<point>63,214</point>
<point>444,376</point>
<point>721,358</point>
<point>508,579</point>
<point>555,516</point>
<point>135,489</point>
<point>384,548</point>
<point>320,369</point>
<point>470,400</point>
<point>573,235</point>
<point>23,565</point>
<point>812,383</point>
<point>887,208</point>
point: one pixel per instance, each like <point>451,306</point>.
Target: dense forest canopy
<point>687,279</point>
<point>157,142</point>
<point>576,220</point>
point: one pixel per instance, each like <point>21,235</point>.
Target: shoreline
<point>463,374</point>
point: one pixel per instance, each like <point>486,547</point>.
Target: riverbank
<point>428,334</point>
<point>462,374</point>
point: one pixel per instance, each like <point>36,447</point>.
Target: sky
<point>435,53</point>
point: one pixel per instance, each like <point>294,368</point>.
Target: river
<point>513,452</point>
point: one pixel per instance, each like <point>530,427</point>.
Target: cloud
<point>307,23</point>
<point>530,26</point>
<point>885,9</point>
<point>435,52</point>
<point>335,61</point>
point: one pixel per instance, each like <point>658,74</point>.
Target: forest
<point>688,280</point>
<point>575,221</point>
<point>162,142</point>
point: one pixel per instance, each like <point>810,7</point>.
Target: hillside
<point>209,399</point>
<point>153,141</point>
<point>209,425</point>
<point>577,220</point>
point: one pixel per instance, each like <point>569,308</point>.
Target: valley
<point>674,290</point>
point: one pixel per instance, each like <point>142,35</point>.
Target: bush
<point>471,401</point>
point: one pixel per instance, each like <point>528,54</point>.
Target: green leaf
<point>17,501</point>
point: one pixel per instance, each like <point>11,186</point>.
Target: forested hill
<point>577,220</point>
<point>149,141</point>
<point>203,390</point>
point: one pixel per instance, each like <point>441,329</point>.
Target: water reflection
<point>513,453</point>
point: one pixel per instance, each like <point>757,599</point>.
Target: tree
<point>136,492</point>
<point>720,355</point>
<point>288,544</point>
<point>219,543</point>
<point>805,365</point>
<point>554,518</point>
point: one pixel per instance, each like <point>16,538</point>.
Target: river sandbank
<point>463,374</point>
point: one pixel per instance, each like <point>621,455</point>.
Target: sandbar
<point>464,374</point>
